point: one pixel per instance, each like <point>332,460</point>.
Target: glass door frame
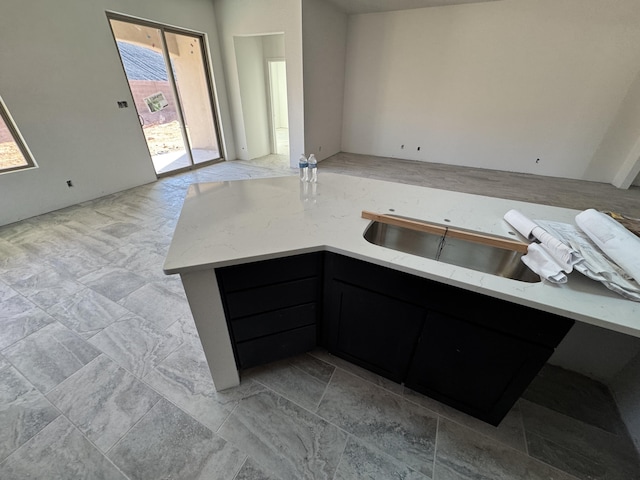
<point>204,46</point>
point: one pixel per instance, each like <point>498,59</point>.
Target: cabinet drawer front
<point>269,323</point>
<point>276,347</point>
<point>267,272</point>
<point>272,297</point>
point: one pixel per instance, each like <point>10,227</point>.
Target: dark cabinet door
<point>477,370</point>
<point>371,329</point>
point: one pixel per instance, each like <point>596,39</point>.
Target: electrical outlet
<point>401,147</point>
<point>419,148</point>
<point>69,183</point>
<point>123,104</point>
<point>537,160</point>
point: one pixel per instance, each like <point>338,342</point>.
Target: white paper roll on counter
<point>521,223</point>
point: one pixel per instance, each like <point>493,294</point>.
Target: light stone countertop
<point>234,222</point>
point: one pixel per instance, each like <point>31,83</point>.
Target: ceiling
<point>371,6</point>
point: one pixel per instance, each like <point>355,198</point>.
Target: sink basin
<point>489,259</point>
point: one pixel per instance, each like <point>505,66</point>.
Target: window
<point>14,154</point>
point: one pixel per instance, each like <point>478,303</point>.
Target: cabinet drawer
<point>267,272</point>
<point>385,281</point>
<point>275,347</point>
<point>272,297</point>
<point>254,326</point>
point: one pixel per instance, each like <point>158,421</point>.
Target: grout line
<point>435,448</point>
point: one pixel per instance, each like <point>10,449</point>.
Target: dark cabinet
<point>470,351</point>
<point>373,330</point>
<point>272,307</point>
<point>472,368</point>
<point>467,350</point>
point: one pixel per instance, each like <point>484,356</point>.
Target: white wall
<point>324,39</point>
<point>493,85</point>
<point>618,151</point>
<point>61,77</point>
<point>246,17</point>
<point>253,95</point>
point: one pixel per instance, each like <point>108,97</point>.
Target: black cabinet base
<point>467,350</point>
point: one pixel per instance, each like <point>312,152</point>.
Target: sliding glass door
<point>170,83</point>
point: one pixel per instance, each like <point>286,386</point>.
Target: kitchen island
<point>243,222</point>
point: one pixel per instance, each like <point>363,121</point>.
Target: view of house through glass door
<point>168,75</point>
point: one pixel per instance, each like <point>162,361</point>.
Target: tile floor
<point>102,377</point>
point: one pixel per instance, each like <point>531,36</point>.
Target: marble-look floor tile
<point>6,292</point>
<point>302,379</point>
<point>361,461</point>
<point>77,263</point>
<point>59,452</point>
<point>168,443</point>
<point>135,344</point>
<point>464,454</point>
<point>184,378</point>
<point>50,355</point>
<point>75,236</point>
<point>103,401</point>
<point>185,331</point>
<point>510,431</point>
<point>87,312</point>
<point>113,283</point>
<point>382,419</point>
<point>86,216</point>
<point>12,256</point>
<point>385,383</point>
<point>4,363</point>
<point>576,396</point>
<point>120,229</point>
<point>47,287</point>
<point>313,366</point>
<point>24,411</point>
<point>157,305</point>
<point>21,233</point>
<point>42,242</point>
<point>577,447</point>
<point>251,470</point>
<point>284,438</point>
<point>137,259</point>
<point>23,271</point>
<point>19,318</point>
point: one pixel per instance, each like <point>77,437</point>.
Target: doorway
<point>168,74</point>
<point>277,76</point>
<point>261,67</point>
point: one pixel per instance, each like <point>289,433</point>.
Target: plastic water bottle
<point>304,167</point>
<point>313,168</point>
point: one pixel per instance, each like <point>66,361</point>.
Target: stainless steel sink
<point>455,251</point>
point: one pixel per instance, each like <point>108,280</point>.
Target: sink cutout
<point>488,254</point>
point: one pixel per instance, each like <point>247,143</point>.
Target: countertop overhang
<point>241,221</point>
